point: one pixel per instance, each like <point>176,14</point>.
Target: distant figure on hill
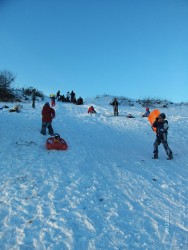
<point>80,101</point>
<point>73,97</point>
<point>115,106</point>
<point>91,110</point>
<point>33,97</point>
<point>52,97</point>
<point>48,114</point>
<point>130,116</point>
<point>146,114</point>
<point>161,126</point>
<point>4,106</point>
<point>68,97</point>
<point>16,108</point>
<point>62,98</point>
<point>58,95</point>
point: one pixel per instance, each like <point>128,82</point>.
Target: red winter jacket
<point>48,113</point>
<point>91,110</point>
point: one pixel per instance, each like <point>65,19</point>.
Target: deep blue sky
<point>132,48</point>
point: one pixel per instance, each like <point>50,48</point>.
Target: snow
<point>105,192</point>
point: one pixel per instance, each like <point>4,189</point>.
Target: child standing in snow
<point>52,97</point>
<point>48,114</point>
<point>161,126</point>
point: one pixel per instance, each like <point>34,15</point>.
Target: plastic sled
<point>56,142</point>
<point>152,116</point>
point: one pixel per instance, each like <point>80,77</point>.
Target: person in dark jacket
<point>161,126</point>
<point>58,95</point>
<point>115,106</point>
<point>68,96</point>
<point>80,101</point>
<point>73,97</point>
<point>48,114</point>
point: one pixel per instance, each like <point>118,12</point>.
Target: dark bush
<point>28,92</point>
<point>6,81</point>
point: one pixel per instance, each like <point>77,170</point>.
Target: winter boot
<point>170,157</point>
<point>155,156</point>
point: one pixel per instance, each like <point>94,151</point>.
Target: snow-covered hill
<point>105,192</point>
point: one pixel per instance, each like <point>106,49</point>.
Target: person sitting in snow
<point>4,106</point>
<point>146,114</point>
<point>161,126</point>
<point>91,110</point>
<point>130,116</point>
<point>16,108</point>
<point>79,101</point>
<point>48,114</point>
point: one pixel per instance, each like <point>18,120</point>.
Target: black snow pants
<point>157,142</point>
<point>47,125</point>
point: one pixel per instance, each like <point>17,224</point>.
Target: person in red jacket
<point>91,110</point>
<point>48,114</point>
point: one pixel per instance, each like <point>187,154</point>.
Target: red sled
<point>56,142</point>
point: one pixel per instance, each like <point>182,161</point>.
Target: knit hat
<point>47,103</point>
<point>162,115</point>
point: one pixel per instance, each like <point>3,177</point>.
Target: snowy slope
<point>105,192</point>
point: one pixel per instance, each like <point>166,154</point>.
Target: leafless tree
<point>7,78</point>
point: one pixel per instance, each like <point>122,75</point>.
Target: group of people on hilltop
<point>69,97</point>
